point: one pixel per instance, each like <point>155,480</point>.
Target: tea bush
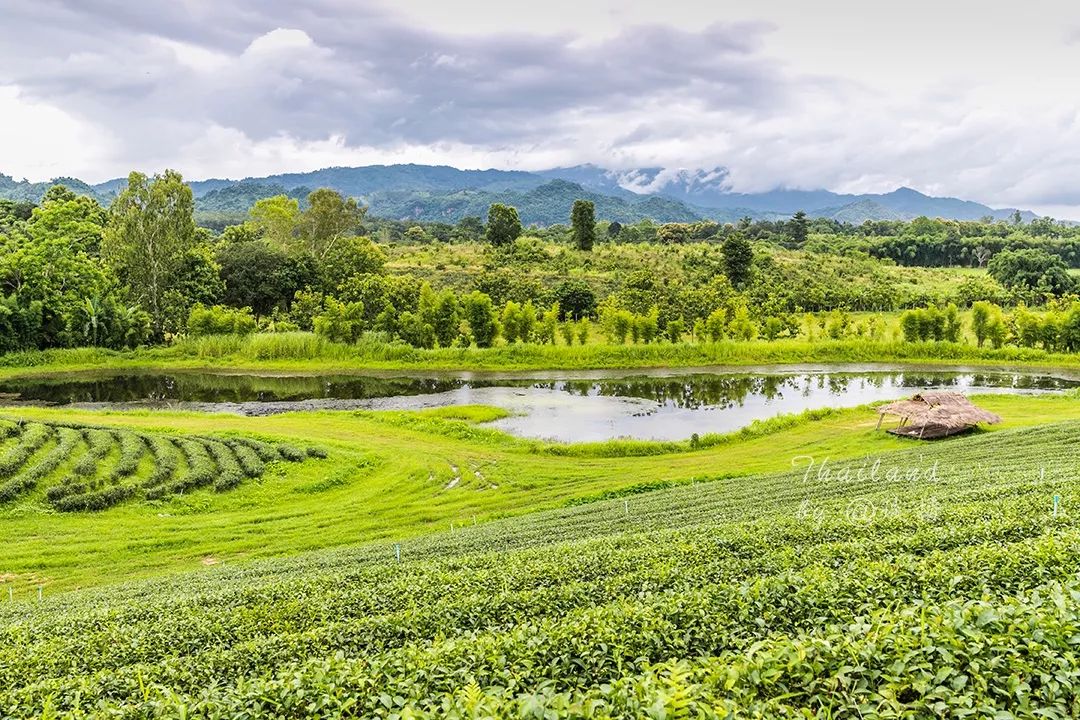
<point>936,584</point>
<point>104,467</point>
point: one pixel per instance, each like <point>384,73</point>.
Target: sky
<point>976,100</point>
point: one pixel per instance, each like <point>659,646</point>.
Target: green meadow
<point>390,476</point>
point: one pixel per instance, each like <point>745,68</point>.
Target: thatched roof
<point>936,413</point>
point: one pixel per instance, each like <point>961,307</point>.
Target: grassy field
<point>305,353</point>
<point>940,583</point>
<point>392,476</point>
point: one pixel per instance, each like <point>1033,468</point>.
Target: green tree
<point>518,321</point>
<point>648,325</point>
<point>197,280</point>
<point>673,233</point>
<point>417,236</point>
<point>503,225</point>
<point>549,325</point>
<point>1031,269</point>
<point>151,228</point>
<point>953,326</point>
<point>798,229</point>
<point>987,324</point>
<point>480,315</point>
<point>262,277</point>
<point>576,298</point>
<point>346,259</point>
<point>220,320</point>
<point>470,227</point>
<point>329,220</point>
<point>567,332</point>
<point>741,326</point>
<point>276,219</point>
<point>583,326</point>
<point>340,322</point>
<point>446,319</point>
<point>738,257</point>
<point>583,222</point>
<point>716,325</point>
<point>416,332</point>
<point>772,327</point>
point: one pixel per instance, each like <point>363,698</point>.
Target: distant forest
<point>143,271</point>
<point>445,194</point>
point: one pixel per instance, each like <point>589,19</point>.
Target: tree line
<point>141,271</point>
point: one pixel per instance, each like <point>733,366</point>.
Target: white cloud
<point>978,103</point>
<point>40,140</point>
<point>279,41</point>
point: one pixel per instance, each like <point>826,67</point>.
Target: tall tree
<point>798,228</point>
<point>276,219</point>
<point>329,219</point>
<point>738,256</point>
<point>150,230</point>
<point>262,277</point>
<point>583,220</point>
<point>503,225</point>
<point>1032,269</point>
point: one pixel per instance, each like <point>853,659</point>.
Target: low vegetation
<point>938,581</point>
<point>81,467</point>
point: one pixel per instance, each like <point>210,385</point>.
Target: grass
<point>938,584</point>
<point>395,476</point>
<point>303,353</point>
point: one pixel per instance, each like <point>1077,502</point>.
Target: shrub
<point>340,322</point>
<point>220,320</point>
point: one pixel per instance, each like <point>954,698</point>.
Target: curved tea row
<point>82,467</point>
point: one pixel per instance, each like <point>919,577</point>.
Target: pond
<point>563,406</point>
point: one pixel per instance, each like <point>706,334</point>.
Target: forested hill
<point>447,194</point>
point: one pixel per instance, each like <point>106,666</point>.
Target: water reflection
<point>671,406</point>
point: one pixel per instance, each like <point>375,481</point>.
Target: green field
<point>304,353</point>
<point>390,476</point>
<point>419,564</point>
<point>939,581</point>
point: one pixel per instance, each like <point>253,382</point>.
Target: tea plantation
<point>82,467</point>
<point>939,581</point>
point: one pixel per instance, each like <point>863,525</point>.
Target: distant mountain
<point>545,204</point>
<point>23,191</point>
<point>239,197</point>
<point>363,181</point>
<point>859,212</point>
<point>439,192</point>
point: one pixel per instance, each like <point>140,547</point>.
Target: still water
<point>579,406</point>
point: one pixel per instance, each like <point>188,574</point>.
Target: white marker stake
<point>1057,499</point>
<point>626,507</point>
<point>397,551</point>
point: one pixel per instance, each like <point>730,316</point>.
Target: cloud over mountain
<point>250,87</point>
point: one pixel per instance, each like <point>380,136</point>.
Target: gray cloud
<point>247,87</point>
<point>365,75</point>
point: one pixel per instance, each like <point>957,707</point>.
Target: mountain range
<point>447,194</point>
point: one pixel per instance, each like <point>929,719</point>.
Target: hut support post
<point>880,417</point>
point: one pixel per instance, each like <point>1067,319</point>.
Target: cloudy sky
<point>973,99</point>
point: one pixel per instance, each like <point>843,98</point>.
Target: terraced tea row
<point>932,584</point>
<point>73,467</point>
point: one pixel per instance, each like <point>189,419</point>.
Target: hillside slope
<point>935,585</point>
<point>443,193</point>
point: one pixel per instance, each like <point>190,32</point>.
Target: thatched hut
<point>935,414</point>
